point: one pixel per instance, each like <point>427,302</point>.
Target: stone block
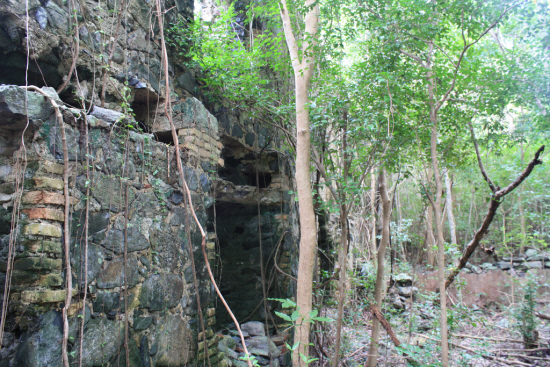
<point>221,162</point>
<point>211,246</point>
<point>189,146</point>
<point>38,263</point>
<point>210,312</point>
<point>53,167</point>
<point>204,153</point>
<point>220,145</point>
<point>47,296</point>
<point>211,352</point>
<point>48,183</point>
<point>45,213</point>
<point>211,321</point>
<point>25,279</point>
<point>42,229</point>
<point>43,246</point>
<point>161,291</point>
<point>45,197</point>
<point>209,334</point>
<point>113,275</point>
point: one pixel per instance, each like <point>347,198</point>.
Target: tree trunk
<point>303,70</point>
<point>373,247</point>
<point>520,207</point>
<point>437,211</point>
<point>430,240</point>
<point>449,199</point>
<point>343,253</point>
<point>379,286</point>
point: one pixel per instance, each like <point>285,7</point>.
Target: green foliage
<point>525,315</point>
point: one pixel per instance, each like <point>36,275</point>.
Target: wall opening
<point>239,266</point>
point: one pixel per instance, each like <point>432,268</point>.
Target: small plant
<point>525,315</point>
<point>293,320</point>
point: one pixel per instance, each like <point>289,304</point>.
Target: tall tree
<point>303,62</point>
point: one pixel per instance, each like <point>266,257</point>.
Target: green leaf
<point>283,316</point>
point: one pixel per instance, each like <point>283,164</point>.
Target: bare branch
<point>466,47</point>
<point>480,163</point>
<point>536,161</point>
<point>493,206</point>
<point>414,57</point>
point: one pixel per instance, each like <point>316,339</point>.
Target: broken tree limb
<point>386,325</point>
<point>495,202</point>
<point>542,316</point>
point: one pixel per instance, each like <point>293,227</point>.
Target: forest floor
<point>478,337</point>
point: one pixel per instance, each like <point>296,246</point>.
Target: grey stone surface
<point>41,17</point>
<point>113,274</point>
<point>114,240</point>
<point>107,115</point>
<point>261,345</point>
<point>96,258</point>
<point>108,191</point>
<point>42,348</point>
<point>174,342</point>
<point>161,292</point>
<point>187,82</point>
<point>102,340</point>
<point>254,328</point>
<point>142,323</point>
<point>407,291</point>
<point>250,138</point>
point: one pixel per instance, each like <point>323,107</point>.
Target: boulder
<point>174,341</point>
<point>42,348</point>
<point>254,328</point>
<point>262,346</point>
<point>161,291</point>
<point>102,340</point>
<point>407,291</point>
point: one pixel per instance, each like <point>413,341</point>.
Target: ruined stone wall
<point>236,169</point>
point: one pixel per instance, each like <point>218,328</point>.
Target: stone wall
<point>236,169</point>
<point>133,192</point>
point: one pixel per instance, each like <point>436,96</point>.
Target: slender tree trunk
<point>520,207</point>
<point>303,70</point>
<point>430,240</point>
<point>437,210</point>
<point>343,253</point>
<point>379,286</point>
<point>373,246</point>
<point>449,199</point>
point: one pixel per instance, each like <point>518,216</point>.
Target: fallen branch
<point>486,356</point>
<point>488,338</point>
<point>542,316</point>
<point>495,202</point>
<point>386,325</point>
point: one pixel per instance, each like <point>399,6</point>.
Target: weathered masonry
<point>123,169</point>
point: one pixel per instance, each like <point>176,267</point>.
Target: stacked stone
<point>212,339</point>
<point>201,144</point>
<point>532,259</point>
<point>284,263</point>
<point>38,264</point>
<point>279,181</point>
